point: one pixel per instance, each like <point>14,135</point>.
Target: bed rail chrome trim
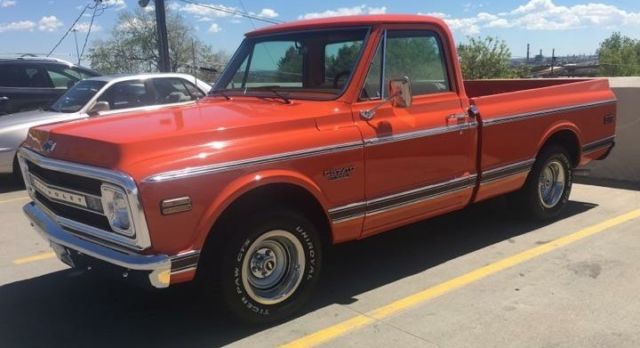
<point>599,144</point>
<point>221,167</point>
<point>527,115</point>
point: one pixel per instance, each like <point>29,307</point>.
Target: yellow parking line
<point>410,301</point>
<point>14,199</point>
<point>33,258</point>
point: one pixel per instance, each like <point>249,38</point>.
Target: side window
<point>63,77</point>
<point>418,55</point>
<point>171,90</point>
<point>127,94</point>
<point>415,54</point>
<point>339,58</point>
<point>371,89</point>
<point>22,75</point>
<point>193,90</point>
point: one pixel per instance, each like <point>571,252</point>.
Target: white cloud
<point>345,11</point>
<point>117,4</point>
<point>17,26</point>
<point>49,23</point>
<point>7,3</point>
<point>268,13</point>
<point>203,13</point>
<point>545,15</point>
<point>83,27</point>
<point>214,28</point>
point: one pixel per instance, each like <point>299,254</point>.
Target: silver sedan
<point>103,95</point>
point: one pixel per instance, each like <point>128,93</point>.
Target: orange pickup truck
<point>318,132</point>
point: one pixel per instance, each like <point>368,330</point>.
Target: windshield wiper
<point>273,90</point>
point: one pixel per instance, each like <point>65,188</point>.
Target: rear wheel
<point>269,265</point>
<point>548,186</point>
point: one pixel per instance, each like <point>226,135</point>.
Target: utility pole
<point>75,38</point>
<point>527,53</point>
<point>553,59</point>
<point>164,64</point>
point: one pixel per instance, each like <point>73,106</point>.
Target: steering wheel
<point>336,79</point>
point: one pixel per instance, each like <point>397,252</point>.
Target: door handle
<point>457,117</point>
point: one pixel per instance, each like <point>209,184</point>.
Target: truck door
<point>419,161</point>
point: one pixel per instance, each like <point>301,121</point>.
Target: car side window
<point>24,75</point>
<point>171,90</point>
<point>416,54</point>
<point>127,94</point>
<point>63,77</point>
<point>195,91</point>
<point>372,84</point>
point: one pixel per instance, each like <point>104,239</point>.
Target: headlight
<point>116,209</point>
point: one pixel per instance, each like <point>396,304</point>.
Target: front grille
<point>74,182</point>
<point>75,214</point>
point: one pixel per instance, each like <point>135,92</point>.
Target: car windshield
<point>314,65</point>
<point>77,96</point>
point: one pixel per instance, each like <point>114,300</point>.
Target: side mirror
<point>99,107</point>
<point>400,92</point>
<point>399,96</point>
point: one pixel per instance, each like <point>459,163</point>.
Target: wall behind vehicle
<point>622,167</point>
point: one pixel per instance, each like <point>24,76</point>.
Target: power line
<point>86,38</point>
<point>69,30</point>
<point>234,12</point>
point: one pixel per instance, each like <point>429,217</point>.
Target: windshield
<point>77,96</point>
<point>310,65</point>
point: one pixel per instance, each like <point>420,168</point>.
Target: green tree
<point>619,56</point>
<point>485,58</point>
<point>132,47</point>
<point>290,66</point>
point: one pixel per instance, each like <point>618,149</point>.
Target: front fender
<point>246,183</point>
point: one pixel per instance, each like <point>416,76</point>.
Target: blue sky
<point>569,26</point>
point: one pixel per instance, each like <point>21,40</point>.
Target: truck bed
<point>518,116</point>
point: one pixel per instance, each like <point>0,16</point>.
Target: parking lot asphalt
<point>480,277</point>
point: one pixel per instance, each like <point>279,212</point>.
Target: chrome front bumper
<point>158,267</point>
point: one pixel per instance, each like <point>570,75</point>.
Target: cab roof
<point>346,21</point>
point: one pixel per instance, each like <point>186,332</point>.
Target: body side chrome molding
<point>502,172</point>
<point>420,134</point>
<point>397,200</point>
<point>599,144</point>
<point>221,167</point>
<point>519,117</point>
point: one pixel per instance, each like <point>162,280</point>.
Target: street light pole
<point>163,41</point>
<point>164,64</point>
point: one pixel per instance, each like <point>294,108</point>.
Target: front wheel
<point>270,266</point>
<point>548,186</point>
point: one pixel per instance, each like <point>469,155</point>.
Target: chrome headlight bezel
<point>117,210</point>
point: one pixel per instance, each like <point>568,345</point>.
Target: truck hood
<point>213,128</point>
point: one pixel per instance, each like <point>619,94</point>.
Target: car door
<point>420,160</point>
<point>25,87</point>
<point>127,95</point>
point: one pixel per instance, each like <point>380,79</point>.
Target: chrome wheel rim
<point>551,184</point>
<point>272,267</point>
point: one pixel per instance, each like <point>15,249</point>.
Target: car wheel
<point>270,265</point>
<point>548,186</point>
<point>17,173</point>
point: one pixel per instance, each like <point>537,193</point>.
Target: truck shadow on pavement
<point>8,183</point>
<point>69,309</point>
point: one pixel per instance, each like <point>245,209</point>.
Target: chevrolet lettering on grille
<point>58,195</point>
